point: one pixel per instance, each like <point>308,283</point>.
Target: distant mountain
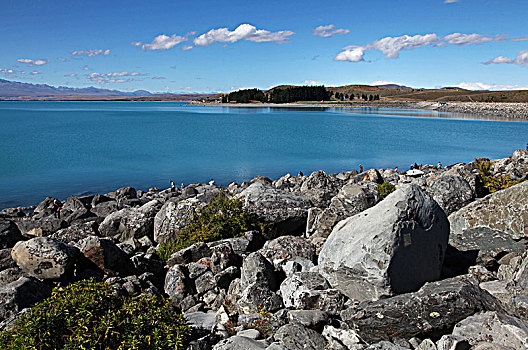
<point>394,86</point>
<point>16,89</point>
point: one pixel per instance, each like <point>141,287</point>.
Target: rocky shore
<point>471,110</point>
<point>434,265</point>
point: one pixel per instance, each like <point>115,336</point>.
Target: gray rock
<point>351,199</point>
<point>310,291</point>
<point>104,209</point>
<point>249,333</point>
<point>451,342</point>
<point>190,254</point>
<point>347,337</point>
<point>223,256</point>
<point>21,294</point>
<point>505,211</point>
<point>130,223</point>
<point>223,278</point>
<point>9,234</point>
<point>287,248</point>
<point>451,193</point>
<point>521,272</point>
<point>385,345</point>
<point>177,284</point>
<point>314,319</point>
<point>427,344</point>
<point>173,217</point>
<point>239,343</point>
<point>45,258</point>
<point>205,282</point>
<point>297,337</point>
<point>391,248</point>
<point>496,327</point>
<point>106,255</point>
<point>518,305</point>
<point>258,297</point>
<point>202,321</point>
<point>32,226</point>
<point>10,275</point>
<point>319,188</point>
<point>75,232</point>
<point>6,261</point>
<point>432,310</point>
<point>284,212</point>
<point>74,209</point>
<point>196,270</point>
<point>257,270</point>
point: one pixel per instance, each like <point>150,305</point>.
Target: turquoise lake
<point>74,148</point>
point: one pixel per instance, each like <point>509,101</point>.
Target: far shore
<point>470,110</point>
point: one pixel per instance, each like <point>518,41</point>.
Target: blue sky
<point>219,46</point>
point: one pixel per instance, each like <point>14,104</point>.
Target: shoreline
<point>517,111</point>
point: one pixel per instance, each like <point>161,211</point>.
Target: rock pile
<point>431,266</point>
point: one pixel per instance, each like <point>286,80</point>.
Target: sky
<point>220,46</point>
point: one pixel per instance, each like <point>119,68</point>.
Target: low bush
<point>87,315</point>
<point>222,218</point>
<point>385,189</point>
<point>493,183</point>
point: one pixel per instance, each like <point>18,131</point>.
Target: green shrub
<point>86,315</point>
<point>385,189</point>
<point>493,183</point>
<point>222,218</point>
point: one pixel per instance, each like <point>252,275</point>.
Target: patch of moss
<point>385,189</point>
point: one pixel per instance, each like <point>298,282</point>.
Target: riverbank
<point>470,110</point>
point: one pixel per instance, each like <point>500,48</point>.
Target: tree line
<point>284,95</point>
<point>341,96</point>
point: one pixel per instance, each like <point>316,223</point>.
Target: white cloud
<point>32,62</point>
<point>114,77</point>
<point>493,87</point>
<point>6,71</point>
<point>163,42</point>
<point>158,78</point>
<point>467,39</point>
<point>311,82</point>
<point>85,68</point>
<point>90,53</point>
<point>521,59</point>
<point>499,59</point>
<point>450,1</point>
<point>34,72</point>
<point>328,31</point>
<point>384,82</point>
<point>242,32</point>
<point>63,59</point>
<point>520,38</point>
<point>351,55</point>
<point>391,46</point>
<point>71,75</point>
<point>187,47</point>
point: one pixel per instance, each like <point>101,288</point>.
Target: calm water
<point>64,148</point>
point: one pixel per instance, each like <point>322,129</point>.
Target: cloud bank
<point>328,31</point>
<point>391,46</point>
<point>163,42</point>
<point>115,77</point>
<point>486,86</point>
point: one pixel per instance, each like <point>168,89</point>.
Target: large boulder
<point>505,211</point>
<point>296,337</point>
<point>495,327</point>
<point>131,223</point>
<point>106,255</point>
<point>451,193</point>
<point>319,188</point>
<point>391,248</point>
<point>9,234</point>
<point>45,258</point>
<point>21,294</point>
<point>76,232</point>
<point>74,209</point>
<point>284,249</point>
<point>284,212</point>
<point>239,343</point>
<point>431,311</point>
<point>310,291</point>
<point>350,200</point>
<point>173,217</point>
